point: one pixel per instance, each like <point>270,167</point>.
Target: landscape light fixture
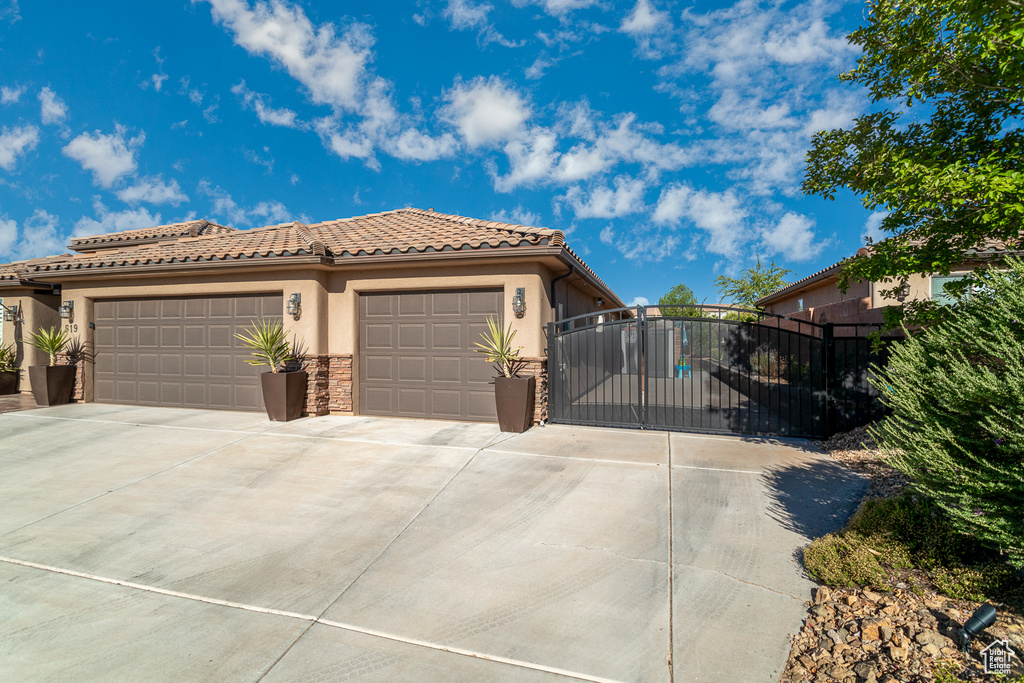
<point>66,310</point>
<point>982,618</point>
<point>519,302</point>
<point>295,306</point>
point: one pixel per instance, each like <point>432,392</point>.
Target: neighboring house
<point>390,307</point>
<point>816,298</point>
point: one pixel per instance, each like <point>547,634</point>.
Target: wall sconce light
<point>903,292</point>
<point>519,302</point>
<point>66,310</point>
<point>12,314</point>
<point>295,306</point>
<point>599,302</point>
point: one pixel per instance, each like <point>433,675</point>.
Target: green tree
<point>956,395</point>
<point>754,283</point>
<point>943,153</point>
<point>675,301</point>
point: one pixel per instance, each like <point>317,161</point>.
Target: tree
<point>756,282</point>
<point>943,156</point>
<point>956,395</point>
<point>672,302</point>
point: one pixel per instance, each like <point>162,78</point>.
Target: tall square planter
<point>9,382</point>
<point>513,399</point>
<point>52,384</point>
<point>284,394</point>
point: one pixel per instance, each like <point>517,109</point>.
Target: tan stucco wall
<point>819,294</point>
<point>39,311</point>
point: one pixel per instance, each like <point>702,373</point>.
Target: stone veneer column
<point>340,384</point>
<point>318,394</point>
<point>538,367</point>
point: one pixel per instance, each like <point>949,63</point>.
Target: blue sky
<point>665,138</point>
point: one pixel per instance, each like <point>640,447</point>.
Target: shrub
<point>767,364</point>
<point>8,358</point>
<point>956,394</point>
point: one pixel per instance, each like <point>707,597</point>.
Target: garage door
<point>416,355</point>
<point>179,352</point>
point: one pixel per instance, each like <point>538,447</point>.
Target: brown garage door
<point>416,355</point>
<point>179,352</point>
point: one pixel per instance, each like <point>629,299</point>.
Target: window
<point>799,304</point>
<point>939,294</point>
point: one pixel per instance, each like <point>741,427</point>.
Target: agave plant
<point>50,341</point>
<point>268,342</point>
<point>497,348</point>
<point>8,358</point>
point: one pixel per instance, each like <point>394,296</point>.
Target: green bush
<point>766,364</point>
<point>8,358</point>
<point>956,394</point>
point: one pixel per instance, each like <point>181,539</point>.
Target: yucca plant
<point>268,342</point>
<point>497,348</point>
<point>50,341</point>
<point>8,358</point>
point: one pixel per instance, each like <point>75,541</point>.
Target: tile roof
<point>128,237</point>
<point>401,233</point>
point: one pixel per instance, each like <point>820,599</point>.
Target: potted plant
<point>9,373</point>
<point>51,384</point>
<point>513,395</point>
<point>284,392</point>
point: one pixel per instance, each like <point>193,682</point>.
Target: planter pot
<point>513,398</point>
<point>9,382</point>
<point>52,384</point>
<point>284,394</point>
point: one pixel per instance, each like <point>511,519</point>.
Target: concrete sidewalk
<point>197,545</point>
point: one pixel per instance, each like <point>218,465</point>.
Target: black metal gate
<point>757,374</point>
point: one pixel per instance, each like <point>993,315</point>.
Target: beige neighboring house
<point>390,305</point>
<point>816,298</point>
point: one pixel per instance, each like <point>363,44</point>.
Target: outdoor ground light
<point>66,310</point>
<point>982,618</point>
<point>295,306</point>
<point>519,302</point>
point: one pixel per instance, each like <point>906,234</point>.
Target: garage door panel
<point>171,352</point>
<point>425,364</point>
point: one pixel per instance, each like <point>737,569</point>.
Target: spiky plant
<point>268,342</point>
<point>8,358</point>
<point>497,348</point>
<point>50,341</point>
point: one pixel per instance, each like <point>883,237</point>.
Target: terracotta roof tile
<point>402,232</point>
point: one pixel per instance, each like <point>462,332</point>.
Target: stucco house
<point>816,298</point>
<point>389,307</point>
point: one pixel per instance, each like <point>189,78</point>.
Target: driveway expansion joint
<point>736,578</point>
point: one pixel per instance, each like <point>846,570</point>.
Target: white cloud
<point>531,160</point>
<point>607,235</point>
<point>329,61</point>
<point>649,28</point>
<point>414,145</point>
<point>16,142</point>
<point>873,227</point>
<point>793,237</point>
<point>486,112</point>
<point>517,216</point>
<point>52,108</point>
<point>264,112</point>
<point>8,235</point>
<point>604,202</point>
<point>11,95</point>
<point>153,190</point>
<point>463,14</point>
<point>536,70</point>
<point>114,221</point>
<point>224,207</point>
<point>639,301</point>
<point>720,214</point>
<point>557,8</point>
<point>39,236</point>
<point>109,157</point>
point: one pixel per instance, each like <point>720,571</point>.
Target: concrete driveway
<point>163,544</point>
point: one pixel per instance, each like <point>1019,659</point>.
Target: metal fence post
<point>828,352</point>
<point>641,339</point>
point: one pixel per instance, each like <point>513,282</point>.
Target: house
<point>386,308</point>
<point>816,298</point>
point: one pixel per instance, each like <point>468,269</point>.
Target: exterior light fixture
<point>12,314</point>
<point>599,302</point>
<point>903,292</point>
<point>66,310</point>
<point>982,618</point>
<point>519,302</point>
<point>295,306</point>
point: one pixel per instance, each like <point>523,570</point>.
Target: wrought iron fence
<point>717,369</point>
